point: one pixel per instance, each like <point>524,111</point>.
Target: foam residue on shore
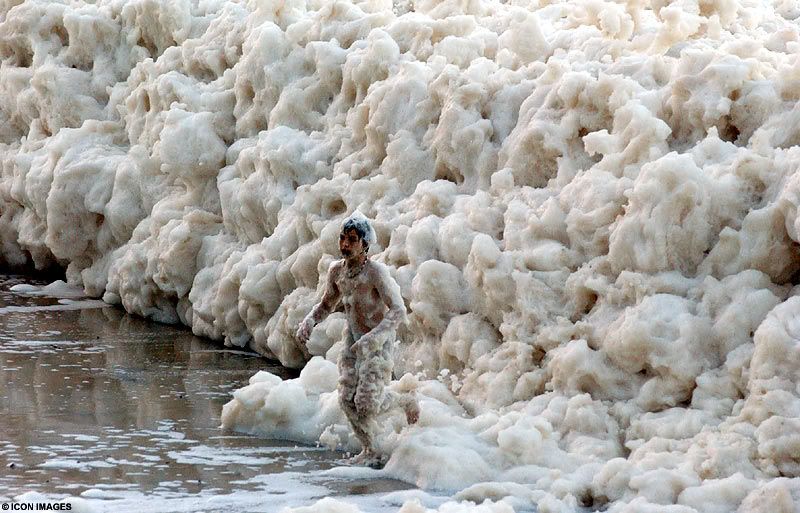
<point>591,208</point>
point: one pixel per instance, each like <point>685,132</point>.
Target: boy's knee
<point>366,410</point>
<point>366,406</point>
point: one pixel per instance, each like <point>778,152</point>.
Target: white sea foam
<point>591,208</point>
<point>75,464</point>
<point>56,289</point>
<point>75,305</point>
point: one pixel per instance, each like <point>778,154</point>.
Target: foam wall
<point>591,208</point>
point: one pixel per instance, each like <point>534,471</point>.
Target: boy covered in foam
<point>374,309</point>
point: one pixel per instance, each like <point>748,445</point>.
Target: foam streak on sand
<point>76,305</point>
<point>591,208</point>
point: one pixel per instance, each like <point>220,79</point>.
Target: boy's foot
<point>369,459</point>
<point>359,458</point>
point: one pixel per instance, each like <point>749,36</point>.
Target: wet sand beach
<point>118,410</point>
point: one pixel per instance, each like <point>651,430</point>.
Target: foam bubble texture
<point>591,208</point>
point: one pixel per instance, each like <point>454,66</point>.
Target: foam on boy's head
<point>358,222</point>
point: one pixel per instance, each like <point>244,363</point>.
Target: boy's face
<point>350,243</point>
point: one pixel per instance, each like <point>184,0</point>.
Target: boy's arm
<point>326,305</point>
<point>389,292</point>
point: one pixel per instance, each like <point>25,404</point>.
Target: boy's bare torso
<point>361,296</point>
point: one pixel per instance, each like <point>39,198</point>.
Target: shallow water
<point>118,410</point>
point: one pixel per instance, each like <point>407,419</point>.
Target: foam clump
<point>58,289</point>
<point>590,207</point>
<point>329,505</point>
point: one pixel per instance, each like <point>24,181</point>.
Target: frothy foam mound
<point>591,208</point>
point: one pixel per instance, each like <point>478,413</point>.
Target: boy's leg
<point>373,396</point>
<point>373,370</point>
<point>348,382</point>
<point>374,373</point>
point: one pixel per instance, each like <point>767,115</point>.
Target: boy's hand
<point>304,350</point>
<point>303,331</point>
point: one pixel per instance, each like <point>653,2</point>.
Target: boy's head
<point>356,235</point>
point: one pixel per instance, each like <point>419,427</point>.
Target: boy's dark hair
<point>359,226</point>
<point>358,222</point>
